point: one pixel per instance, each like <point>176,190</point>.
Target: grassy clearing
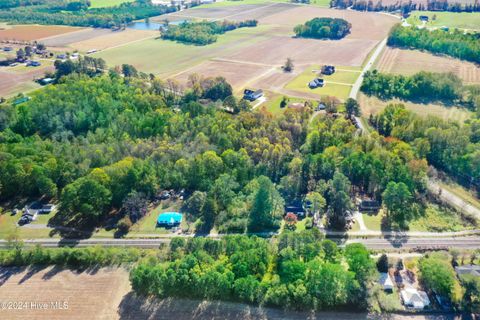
<point>164,57</point>
<point>321,3</point>
<point>8,227</point>
<point>462,20</point>
<point>373,105</point>
<point>437,219</point>
<point>340,82</point>
<point>22,68</point>
<point>107,3</point>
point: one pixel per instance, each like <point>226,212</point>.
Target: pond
<point>142,25</point>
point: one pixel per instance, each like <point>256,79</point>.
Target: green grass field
<point>107,3</point>
<point>337,85</point>
<point>463,20</point>
<point>164,57</point>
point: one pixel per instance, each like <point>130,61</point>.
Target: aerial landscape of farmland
<point>239,159</point>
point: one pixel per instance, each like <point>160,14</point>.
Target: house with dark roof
<point>251,95</point>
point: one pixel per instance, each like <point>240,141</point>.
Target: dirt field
<point>237,74</point>
<point>89,295</point>
<point>12,82</point>
<point>112,39</point>
<point>82,35</point>
<point>105,294</point>
<point>34,32</point>
<point>408,62</point>
<point>372,105</point>
<point>252,57</point>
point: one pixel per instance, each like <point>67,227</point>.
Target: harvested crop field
<point>372,105</point>
<point>277,49</point>
<point>407,62</point>
<point>12,82</point>
<point>34,32</point>
<point>365,25</point>
<point>89,295</point>
<point>81,35</point>
<point>237,74</point>
<point>113,39</point>
<point>237,12</point>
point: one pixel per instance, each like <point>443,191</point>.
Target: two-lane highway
<point>389,243</point>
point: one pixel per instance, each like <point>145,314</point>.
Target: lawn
<point>148,224</point>
<point>107,3</point>
<point>8,226</point>
<point>165,58</point>
<point>463,20</point>
<point>337,85</point>
<point>273,103</point>
<point>22,68</point>
<point>373,221</point>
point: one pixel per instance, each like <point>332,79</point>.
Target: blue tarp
<point>169,218</point>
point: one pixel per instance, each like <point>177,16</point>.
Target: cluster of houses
<point>411,296</point>
<point>31,211</point>
<point>319,82</point>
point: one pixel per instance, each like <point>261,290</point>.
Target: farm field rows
<point>408,62</point>
<point>34,32</point>
<point>93,294</point>
<point>252,57</point>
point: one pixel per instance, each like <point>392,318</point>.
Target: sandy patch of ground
<point>407,62</point>
<point>12,82</point>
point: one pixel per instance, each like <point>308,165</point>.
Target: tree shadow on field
<point>136,307</point>
<point>52,272</point>
<point>7,272</point>
<point>31,271</point>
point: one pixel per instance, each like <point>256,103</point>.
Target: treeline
<point>448,146</point>
<point>83,65</point>
<point>59,12</point>
<point>323,28</point>
<point>202,33</point>
<point>301,272</point>
<point>423,86</point>
<point>406,7</point>
<point>5,4</point>
<point>75,258</point>
<point>454,43</point>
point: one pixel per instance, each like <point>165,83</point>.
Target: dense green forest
<point>456,43</point>
<point>77,13</point>
<point>448,146</point>
<point>323,28</point>
<point>202,33</point>
<point>99,143</point>
<point>423,86</point>
<point>299,272</point>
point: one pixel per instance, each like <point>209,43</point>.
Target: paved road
<point>390,243</point>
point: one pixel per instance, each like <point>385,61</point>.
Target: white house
<point>386,281</point>
<point>412,298</point>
